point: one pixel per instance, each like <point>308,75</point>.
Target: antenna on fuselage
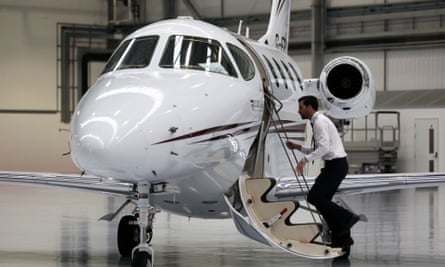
<point>240,28</point>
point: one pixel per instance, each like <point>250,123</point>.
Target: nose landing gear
<point>135,231</point>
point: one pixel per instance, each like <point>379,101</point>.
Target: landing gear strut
<point>135,231</point>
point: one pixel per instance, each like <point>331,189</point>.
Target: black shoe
<point>354,219</point>
<point>342,261</point>
<point>346,251</point>
<point>342,241</point>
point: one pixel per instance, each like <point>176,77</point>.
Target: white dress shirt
<point>328,144</point>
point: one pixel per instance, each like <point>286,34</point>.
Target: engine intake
<point>347,88</point>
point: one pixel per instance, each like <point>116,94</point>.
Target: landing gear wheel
<point>127,235</point>
<point>142,257</point>
<point>149,234</point>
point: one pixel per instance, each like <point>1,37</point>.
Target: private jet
<point>191,119</point>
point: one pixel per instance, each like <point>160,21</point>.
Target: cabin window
<point>296,75</point>
<point>186,52</point>
<point>245,64</point>
<point>281,73</point>
<point>289,74</point>
<point>133,54</point>
<point>271,68</point>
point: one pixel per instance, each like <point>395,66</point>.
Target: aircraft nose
<point>107,124</point>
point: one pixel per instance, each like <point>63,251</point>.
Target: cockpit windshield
<point>134,53</point>
<point>186,52</point>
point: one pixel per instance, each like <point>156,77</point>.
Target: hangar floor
<point>53,227</point>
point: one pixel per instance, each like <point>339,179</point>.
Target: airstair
<point>270,222</point>
<point>287,223</point>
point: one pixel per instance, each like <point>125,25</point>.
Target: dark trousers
<point>324,189</point>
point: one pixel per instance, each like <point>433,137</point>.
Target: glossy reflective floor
<point>53,227</point>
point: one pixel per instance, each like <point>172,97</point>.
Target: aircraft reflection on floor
<point>52,227</point>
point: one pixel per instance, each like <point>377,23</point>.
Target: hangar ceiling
<point>378,26</point>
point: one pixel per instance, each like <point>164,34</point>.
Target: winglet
<point>277,34</point>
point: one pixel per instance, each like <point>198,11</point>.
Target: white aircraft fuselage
<point>180,103</point>
<point>188,125</point>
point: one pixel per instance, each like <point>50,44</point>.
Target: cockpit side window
<point>133,54</point>
<point>114,59</point>
<point>140,53</point>
<point>245,64</point>
<point>187,52</point>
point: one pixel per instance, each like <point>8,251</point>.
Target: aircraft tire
<point>149,234</point>
<point>141,259</point>
<point>127,235</point>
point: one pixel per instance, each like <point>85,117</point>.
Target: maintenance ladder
<point>373,149</point>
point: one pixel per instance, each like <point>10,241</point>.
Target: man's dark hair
<point>309,100</point>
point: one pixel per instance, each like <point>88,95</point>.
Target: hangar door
<point>426,144</point>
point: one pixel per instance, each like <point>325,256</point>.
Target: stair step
<point>273,220</point>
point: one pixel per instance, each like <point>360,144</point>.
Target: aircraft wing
<point>79,182</point>
<point>286,187</point>
<point>363,183</point>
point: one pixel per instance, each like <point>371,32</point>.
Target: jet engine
<point>346,88</point>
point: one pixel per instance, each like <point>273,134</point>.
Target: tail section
<point>277,34</point>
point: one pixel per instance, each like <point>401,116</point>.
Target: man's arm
<point>303,149</point>
<point>292,145</point>
<point>303,161</point>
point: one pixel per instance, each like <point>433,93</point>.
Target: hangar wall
<point>31,140</point>
<point>416,69</point>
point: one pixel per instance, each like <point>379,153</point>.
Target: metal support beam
<point>317,39</point>
<point>28,111</point>
<point>192,9</point>
<point>222,9</point>
<point>169,9</point>
<point>84,57</point>
<point>111,8</point>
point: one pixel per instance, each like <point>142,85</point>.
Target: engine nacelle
<point>347,88</point>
